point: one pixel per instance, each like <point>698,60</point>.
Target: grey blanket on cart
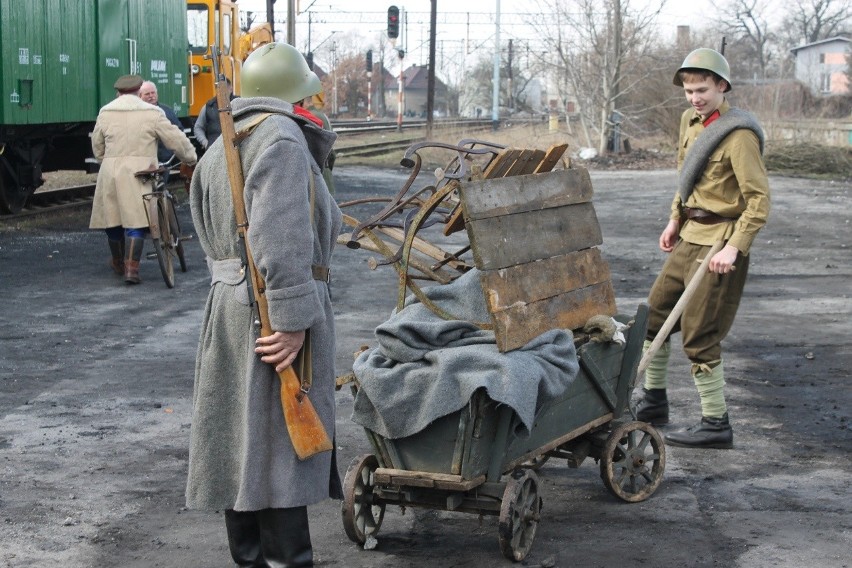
<point>426,367</point>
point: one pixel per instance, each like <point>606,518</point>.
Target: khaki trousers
<point>708,317</point>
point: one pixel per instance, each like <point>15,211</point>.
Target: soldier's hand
<point>280,348</point>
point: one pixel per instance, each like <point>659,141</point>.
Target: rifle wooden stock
<point>306,430</point>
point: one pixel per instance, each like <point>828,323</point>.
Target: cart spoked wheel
<point>362,515</point>
<point>633,461</point>
<point>519,514</point>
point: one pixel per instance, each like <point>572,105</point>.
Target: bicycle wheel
<point>163,245</point>
<point>174,228</point>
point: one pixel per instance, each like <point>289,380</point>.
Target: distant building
<point>415,82</point>
<point>822,65</point>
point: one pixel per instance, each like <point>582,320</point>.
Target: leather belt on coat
<point>230,271</point>
<point>705,217</point>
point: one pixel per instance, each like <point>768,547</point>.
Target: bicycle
<point>163,222</point>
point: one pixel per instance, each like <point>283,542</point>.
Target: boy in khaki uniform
<point>723,196</point>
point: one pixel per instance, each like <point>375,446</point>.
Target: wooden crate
<point>533,237</point>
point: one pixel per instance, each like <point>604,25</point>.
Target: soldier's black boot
<point>244,538</point>
<point>653,407</point>
<point>285,538</point>
<point>709,433</point>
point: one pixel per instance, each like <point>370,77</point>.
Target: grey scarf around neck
<point>705,143</point>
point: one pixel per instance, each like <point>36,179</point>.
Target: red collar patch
<point>301,111</point>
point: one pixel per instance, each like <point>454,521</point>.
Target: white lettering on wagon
<point>65,59</point>
<point>112,62</point>
<point>23,56</point>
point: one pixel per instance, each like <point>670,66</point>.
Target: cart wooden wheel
<point>519,514</point>
<point>633,461</point>
<point>362,514</point>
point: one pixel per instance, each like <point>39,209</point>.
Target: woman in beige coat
<point>125,142</point>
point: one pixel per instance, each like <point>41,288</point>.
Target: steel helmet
<point>278,70</point>
<point>709,60</point>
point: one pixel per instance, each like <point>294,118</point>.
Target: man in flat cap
<point>125,142</point>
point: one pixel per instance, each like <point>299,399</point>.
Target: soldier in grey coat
<point>241,459</point>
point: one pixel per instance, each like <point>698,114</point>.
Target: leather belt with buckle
<point>705,217</point>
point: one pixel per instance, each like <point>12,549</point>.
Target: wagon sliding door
<point>145,37</point>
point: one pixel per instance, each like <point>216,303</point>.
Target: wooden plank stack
<point>533,237</point>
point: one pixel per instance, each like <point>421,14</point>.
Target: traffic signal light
<point>369,60</point>
<point>393,22</point>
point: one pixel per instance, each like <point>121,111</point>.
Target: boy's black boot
<point>653,407</point>
<point>709,433</point>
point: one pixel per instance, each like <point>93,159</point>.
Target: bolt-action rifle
<point>303,423</point>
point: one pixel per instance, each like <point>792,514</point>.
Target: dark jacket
<point>207,126</point>
<point>163,153</point>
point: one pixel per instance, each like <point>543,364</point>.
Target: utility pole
<point>399,106</point>
<point>509,70</point>
<point>394,17</point>
<point>430,82</point>
<point>270,16</point>
<point>495,91</point>
<point>291,22</point>
<point>334,78</point>
<point>369,85</point>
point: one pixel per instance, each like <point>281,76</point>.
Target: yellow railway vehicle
<point>216,22</point>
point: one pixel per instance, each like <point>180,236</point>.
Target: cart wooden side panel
<point>467,443</point>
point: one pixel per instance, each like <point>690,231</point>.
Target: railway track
<point>81,195</point>
<point>54,200</point>
<point>61,198</point>
<point>376,148</point>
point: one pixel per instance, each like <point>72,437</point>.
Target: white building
<point>822,65</point>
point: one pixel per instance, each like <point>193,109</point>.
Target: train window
<point>197,27</point>
<point>226,34</point>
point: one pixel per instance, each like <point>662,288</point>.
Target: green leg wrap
<point>710,383</point>
<point>656,374</point>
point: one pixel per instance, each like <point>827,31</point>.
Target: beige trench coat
<point>125,142</point>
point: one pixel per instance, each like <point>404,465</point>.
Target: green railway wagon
<point>58,62</point>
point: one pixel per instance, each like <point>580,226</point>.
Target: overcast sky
<point>471,20</point>
<point>676,12</point>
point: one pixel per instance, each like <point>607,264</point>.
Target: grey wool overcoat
<point>125,141</point>
<point>240,454</point>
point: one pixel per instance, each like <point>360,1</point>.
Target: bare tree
<point>591,43</point>
<point>348,80</point>
<point>747,22</point>
<point>812,20</point>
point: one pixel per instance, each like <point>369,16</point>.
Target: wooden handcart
<point>533,236</point>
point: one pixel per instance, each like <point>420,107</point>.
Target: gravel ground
<point>96,381</point>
